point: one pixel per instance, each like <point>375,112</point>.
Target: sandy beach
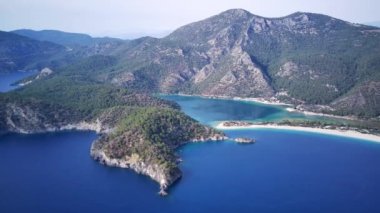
<point>320,114</point>
<point>287,107</point>
<point>257,100</point>
<point>344,133</point>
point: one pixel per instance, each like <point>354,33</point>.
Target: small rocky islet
<point>245,140</point>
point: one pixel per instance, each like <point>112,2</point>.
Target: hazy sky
<point>132,18</point>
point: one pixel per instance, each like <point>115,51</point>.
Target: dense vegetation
<point>25,50</point>
<point>71,40</point>
<point>146,128</point>
<point>19,52</point>
<point>152,134</point>
<point>302,58</point>
<point>85,100</point>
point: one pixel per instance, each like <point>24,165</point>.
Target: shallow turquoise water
<point>284,171</point>
<point>211,111</point>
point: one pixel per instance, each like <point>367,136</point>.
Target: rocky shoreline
<point>164,178</point>
<point>81,126</point>
<point>154,171</point>
<point>140,167</point>
<point>160,164</point>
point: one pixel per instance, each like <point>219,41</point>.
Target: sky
<point>136,18</point>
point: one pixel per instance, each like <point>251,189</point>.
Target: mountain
<point>317,62</point>
<point>374,23</point>
<point>65,38</point>
<point>28,49</point>
<point>79,45</point>
<point>20,53</point>
<point>312,60</point>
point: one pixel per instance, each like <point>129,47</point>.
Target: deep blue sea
<point>285,171</point>
<point>7,79</point>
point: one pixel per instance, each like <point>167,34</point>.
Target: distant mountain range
<point>29,49</point>
<point>64,38</point>
<point>374,23</point>
<point>19,52</point>
<point>315,61</point>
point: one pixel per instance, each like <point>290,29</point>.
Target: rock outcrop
<point>148,145</point>
<point>32,119</point>
<point>143,139</point>
<point>244,140</point>
<point>163,176</point>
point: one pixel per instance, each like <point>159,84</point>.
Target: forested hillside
<point>22,53</point>
<point>314,61</point>
<point>303,58</point>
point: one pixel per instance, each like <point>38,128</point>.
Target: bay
<point>7,79</point>
<point>285,171</point>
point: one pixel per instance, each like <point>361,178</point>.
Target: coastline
<point>256,100</point>
<point>156,171</point>
<point>342,133</point>
<point>274,102</point>
<point>321,114</point>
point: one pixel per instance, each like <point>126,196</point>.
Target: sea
<point>284,171</point>
<point>8,80</point>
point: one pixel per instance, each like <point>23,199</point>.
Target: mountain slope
<point>78,45</point>
<point>36,49</point>
<point>64,38</point>
<point>19,52</point>
<point>302,58</point>
<point>305,59</point>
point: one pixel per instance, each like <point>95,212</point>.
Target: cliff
<point>141,133</point>
<point>146,141</point>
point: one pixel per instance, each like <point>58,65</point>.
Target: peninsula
<point>137,131</point>
<point>107,85</point>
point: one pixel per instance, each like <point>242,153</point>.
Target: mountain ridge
<point>20,52</point>
<point>64,38</point>
<point>316,62</point>
<point>294,56</point>
<point>306,59</point>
